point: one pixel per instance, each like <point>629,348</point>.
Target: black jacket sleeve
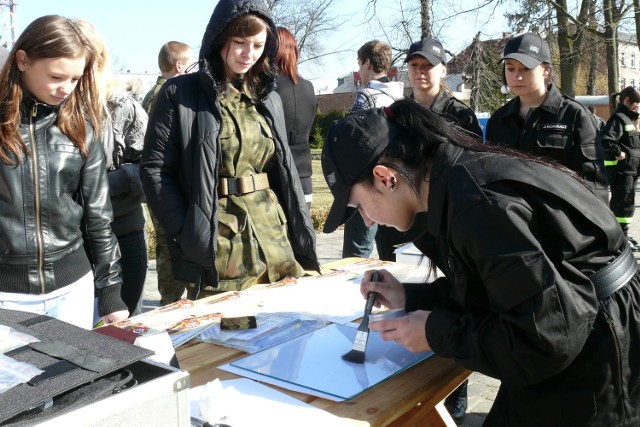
<point>611,134</point>
<point>536,324</point>
<point>102,244</point>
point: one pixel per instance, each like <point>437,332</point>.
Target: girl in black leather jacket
<point>53,187</point>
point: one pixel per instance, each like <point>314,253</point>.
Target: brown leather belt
<point>234,186</point>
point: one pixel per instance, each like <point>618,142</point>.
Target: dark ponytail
<point>628,92</point>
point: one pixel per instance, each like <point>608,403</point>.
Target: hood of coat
<point>118,98</point>
<point>392,89</point>
<point>224,13</point>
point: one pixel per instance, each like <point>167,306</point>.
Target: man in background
<point>174,59</point>
<point>377,90</point>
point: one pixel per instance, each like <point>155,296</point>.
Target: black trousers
<point>623,196</point>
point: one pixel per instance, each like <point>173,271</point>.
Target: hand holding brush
<point>356,354</point>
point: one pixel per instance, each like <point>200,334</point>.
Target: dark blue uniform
<point>519,244</point>
<point>620,135</point>
<point>560,129</point>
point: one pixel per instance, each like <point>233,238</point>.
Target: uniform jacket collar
<point>623,109</point>
<point>551,104</point>
<point>441,102</point>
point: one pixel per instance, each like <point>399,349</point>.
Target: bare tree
<point>486,77</point>
<point>592,45</point>
<point>611,21</point>
<point>425,19</point>
<point>310,22</point>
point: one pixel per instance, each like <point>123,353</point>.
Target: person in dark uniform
<point>539,288</point>
<point>427,66</point>
<point>599,121</point>
<point>541,119</point>
<point>621,142</point>
<point>427,61</point>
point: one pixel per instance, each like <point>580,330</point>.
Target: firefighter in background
<point>621,142</point>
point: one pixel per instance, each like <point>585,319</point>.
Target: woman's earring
<point>504,89</point>
<point>393,182</point>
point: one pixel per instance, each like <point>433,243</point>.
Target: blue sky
<point>134,30</point>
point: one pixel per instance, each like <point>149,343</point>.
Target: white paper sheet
<point>257,405</point>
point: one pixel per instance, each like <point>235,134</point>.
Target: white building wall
<point>629,57</point>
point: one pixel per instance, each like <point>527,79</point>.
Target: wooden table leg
<point>423,416</point>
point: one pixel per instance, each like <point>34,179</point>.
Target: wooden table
<point>407,399</point>
<point>410,398</point>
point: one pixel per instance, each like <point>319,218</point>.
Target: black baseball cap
<point>431,49</point>
<point>529,49</point>
<point>351,145</point>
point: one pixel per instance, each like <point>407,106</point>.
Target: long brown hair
<point>260,77</point>
<point>287,55</point>
<point>47,37</point>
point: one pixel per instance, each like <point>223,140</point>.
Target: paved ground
<point>482,389</point>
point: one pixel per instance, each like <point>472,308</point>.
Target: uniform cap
<point>529,49</point>
<point>351,145</point>
<point>431,49</point>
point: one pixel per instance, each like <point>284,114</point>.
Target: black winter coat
<point>179,175</point>
<point>560,129</point>
<point>517,242</point>
<point>299,103</point>
<point>179,165</point>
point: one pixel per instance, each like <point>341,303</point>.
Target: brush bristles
<point>354,356</point>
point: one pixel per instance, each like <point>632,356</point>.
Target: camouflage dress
<point>253,246</point>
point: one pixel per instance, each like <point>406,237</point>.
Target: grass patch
<point>322,197</point>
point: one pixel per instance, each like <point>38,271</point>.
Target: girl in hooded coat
<point>216,166</point>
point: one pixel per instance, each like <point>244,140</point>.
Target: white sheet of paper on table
<point>313,362</point>
<point>255,404</point>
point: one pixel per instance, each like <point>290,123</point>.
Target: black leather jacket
<point>48,203</point>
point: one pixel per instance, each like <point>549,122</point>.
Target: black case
<point>71,357</point>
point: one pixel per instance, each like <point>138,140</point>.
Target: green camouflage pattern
<point>253,246</point>
<point>147,102</point>
<point>170,289</point>
<point>236,323</point>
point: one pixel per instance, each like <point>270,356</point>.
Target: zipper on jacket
<point>612,325</point>
<point>36,191</point>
